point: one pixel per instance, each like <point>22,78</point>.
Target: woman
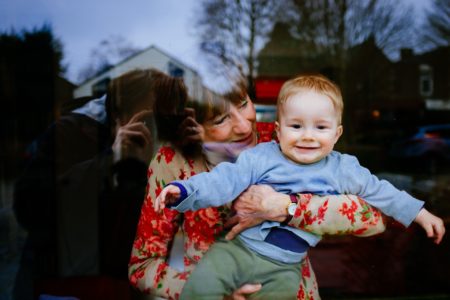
<point>227,130</point>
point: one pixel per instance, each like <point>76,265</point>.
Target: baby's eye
<point>321,127</point>
<point>296,126</point>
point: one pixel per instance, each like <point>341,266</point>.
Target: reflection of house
<point>368,82</point>
<point>424,80</point>
<point>152,57</point>
<point>280,59</point>
<point>284,57</point>
<point>377,91</point>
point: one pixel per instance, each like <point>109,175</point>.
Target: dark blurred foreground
<point>398,264</point>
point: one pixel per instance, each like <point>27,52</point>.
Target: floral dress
<point>149,270</point>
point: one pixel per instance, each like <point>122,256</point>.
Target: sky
<point>82,24</point>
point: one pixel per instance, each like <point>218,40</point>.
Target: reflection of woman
<point>228,129</point>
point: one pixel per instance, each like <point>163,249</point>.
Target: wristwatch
<point>291,208</point>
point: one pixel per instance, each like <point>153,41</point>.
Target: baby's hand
<point>434,226</point>
<point>168,195</point>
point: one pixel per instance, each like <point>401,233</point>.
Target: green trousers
<point>229,264</point>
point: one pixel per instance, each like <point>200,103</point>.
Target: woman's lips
<point>247,139</point>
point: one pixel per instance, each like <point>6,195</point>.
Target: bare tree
<point>109,51</point>
<point>231,33</point>
<point>390,23</point>
<point>331,27</point>
<point>437,27</point>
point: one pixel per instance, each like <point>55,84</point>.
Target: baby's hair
<point>317,83</point>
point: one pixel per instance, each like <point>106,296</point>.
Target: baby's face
<point>308,127</point>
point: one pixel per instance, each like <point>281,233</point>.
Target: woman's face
<point>236,126</point>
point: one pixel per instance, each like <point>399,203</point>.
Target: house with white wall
<point>151,57</point>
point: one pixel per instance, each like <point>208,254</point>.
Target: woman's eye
<point>220,120</point>
<point>243,104</point>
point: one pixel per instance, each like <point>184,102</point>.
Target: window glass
<point>90,91</point>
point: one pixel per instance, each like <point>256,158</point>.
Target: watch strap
<point>294,199</point>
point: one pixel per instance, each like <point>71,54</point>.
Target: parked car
<point>428,146</point>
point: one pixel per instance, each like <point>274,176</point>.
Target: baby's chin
<point>307,161</point>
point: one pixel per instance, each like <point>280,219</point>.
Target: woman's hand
<point>246,289</point>
<point>190,131</point>
<point>133,139</point>
<point>257,204</point>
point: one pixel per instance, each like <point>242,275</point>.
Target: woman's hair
<point>130,90</point>
<point>208,106</point>
<point>165,95</point>
<point>317,83</point>
<point>171,98</point>
<point>212,104</point>
<point>169,111</point>
<point>237,93</point>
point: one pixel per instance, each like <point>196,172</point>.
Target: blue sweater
<point>265,164</point>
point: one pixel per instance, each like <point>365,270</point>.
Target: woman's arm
<point>337,215</point>
<point>148,269</point>
<point>331,214</point>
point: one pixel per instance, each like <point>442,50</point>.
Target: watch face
<point>292,208</point>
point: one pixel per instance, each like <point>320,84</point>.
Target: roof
<point>165,53</point>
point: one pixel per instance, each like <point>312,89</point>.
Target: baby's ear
<point>339,132</point>
<point>277,129</point>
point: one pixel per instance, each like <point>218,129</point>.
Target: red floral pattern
<point>347,215</point>
<point>167,152</point>
<point>149,270</point>
<point>266,131</point>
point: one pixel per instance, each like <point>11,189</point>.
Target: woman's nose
<point>241,125</point>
